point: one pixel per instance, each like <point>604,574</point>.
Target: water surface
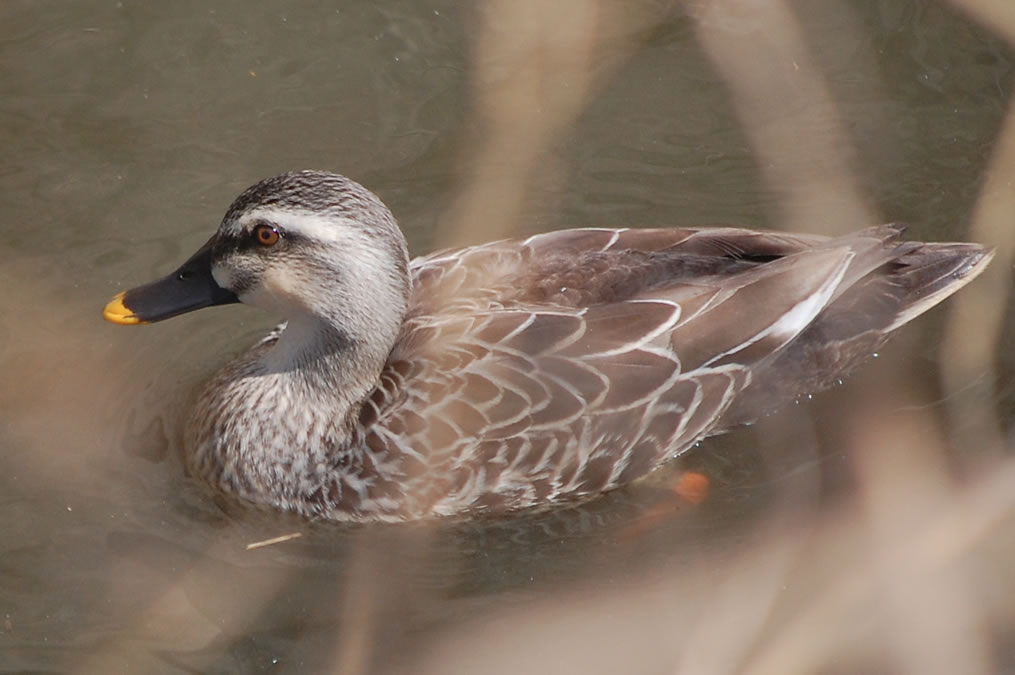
<point>127,129</point>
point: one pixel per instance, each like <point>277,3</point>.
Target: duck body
<point>518,373</point>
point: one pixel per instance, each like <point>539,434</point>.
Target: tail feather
<point>933,272</point>
<point>884,289</point>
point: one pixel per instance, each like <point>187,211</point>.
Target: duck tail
<point>931,272</point>
<point>906,280</point>
<point>896,283</point>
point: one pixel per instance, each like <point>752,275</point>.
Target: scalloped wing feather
<point>553,408</point>
<point>530,404</point>
<point>575,361</point>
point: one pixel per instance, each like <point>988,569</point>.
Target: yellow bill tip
<point>117,312</point>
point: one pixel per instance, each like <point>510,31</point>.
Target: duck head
<point>313,246</point>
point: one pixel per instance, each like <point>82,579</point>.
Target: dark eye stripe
<point>227,244</point>
<point>247,240</point>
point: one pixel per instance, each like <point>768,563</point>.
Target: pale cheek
<point>278,282</point>
<point>277,291</point>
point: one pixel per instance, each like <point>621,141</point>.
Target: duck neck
<point>328,368</point>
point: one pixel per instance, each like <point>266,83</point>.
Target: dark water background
<point>128,127</point>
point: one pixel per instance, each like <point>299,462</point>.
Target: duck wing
<point>537,396</point>
<point>588,266</point>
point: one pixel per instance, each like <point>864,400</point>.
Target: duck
<point>516,374</point>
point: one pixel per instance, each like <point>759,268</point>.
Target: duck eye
<point>266,235</point>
